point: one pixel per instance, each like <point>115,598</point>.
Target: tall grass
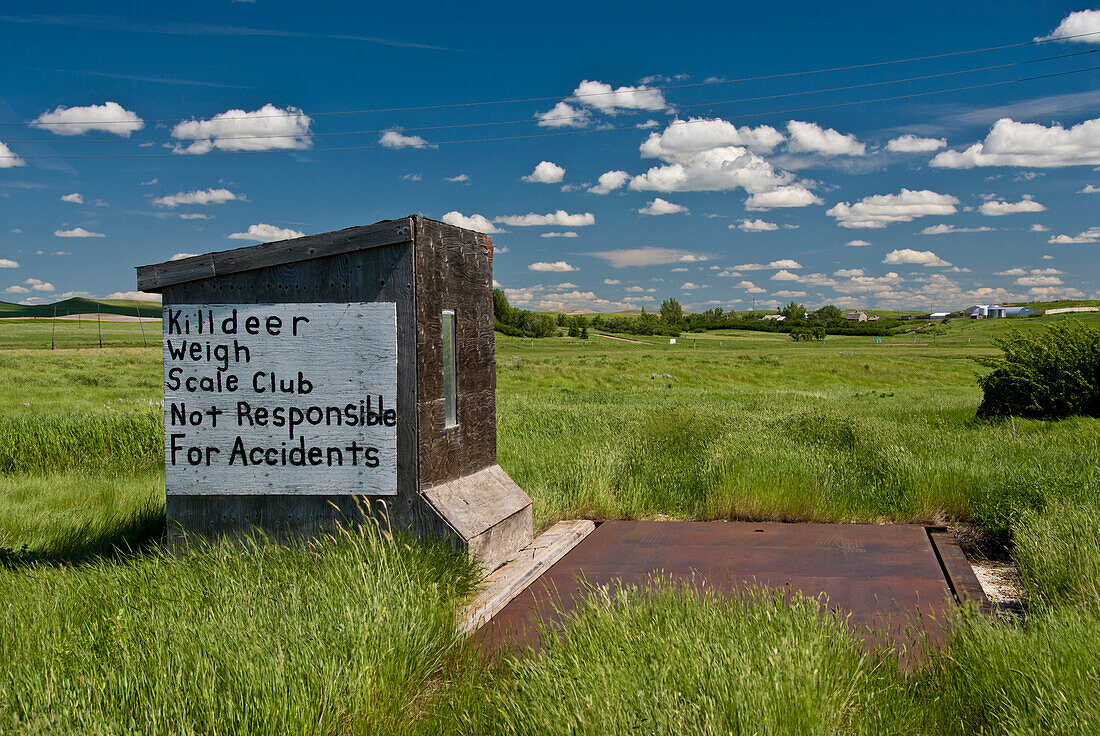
<point>356,634</point>
<point>103,441</point>
<point>73,516</point>
<point>673,660</point>
<point>338,636</point>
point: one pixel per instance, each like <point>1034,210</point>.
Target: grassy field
<point>100,633</point>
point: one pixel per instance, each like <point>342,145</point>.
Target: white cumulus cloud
<point>110,117</point>
<point>994,208</point>
<point>75,198</point>
<point>564,115</point>
<point>945,229</point>
<point>690,285</point>
<point>77,232</point>
<point>661,207</point>
<point>547,172</point>
<point>812,138</point>
<point>754,226</point>
<point>879,210</point>
<point>794,195</point>
<point>604,98</point>
<point>555,267</point>
<point>566,234</point>
<point>480,223</point>
<point>648,256</point>
<point>1092,235</point>
<point>609,181</point>
<point>909,143</point>
<point>782,263</point>
<point>716,169</point>
<point>199,196</point>
<point>1039,281</point>
<point>8,159</point>
<point>268,128</point>
<point>458,179</point>
<point>1078,23</point>
<point>560,218</point>
<point>750,287</point>
<point>141,296</point>
<point>37,285</point>
<point>8,263</point>
<point>1010,143</point>
<point>682,138</point>
<point>785,275</point>
<point>397,139</point>
<point>924,258</point>
<point>264,233</point>
<point>857,243</point>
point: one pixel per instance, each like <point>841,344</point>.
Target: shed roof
<point>157,276</point>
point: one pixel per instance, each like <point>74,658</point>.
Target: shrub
<point>1044,374</point>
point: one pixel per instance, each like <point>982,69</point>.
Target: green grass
<point>102,633</point>
<point>341,636</point>
<point>68,334</point>
<point>756,427</point>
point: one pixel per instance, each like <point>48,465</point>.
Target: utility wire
<point>527,121</point>
<point>1034,42</point>
<point>587,131</point>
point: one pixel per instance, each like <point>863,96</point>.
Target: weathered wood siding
<point>454,271</point>
<point>384,273</point>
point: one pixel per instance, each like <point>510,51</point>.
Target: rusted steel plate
<point>960,575</point>
<point>888,579</point>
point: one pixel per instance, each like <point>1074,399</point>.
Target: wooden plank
<point>290,398</point>
<point>156,277</point>
<point>501,586</point>
<point>473,503</point>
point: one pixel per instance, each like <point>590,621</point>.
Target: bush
<point>1048,374</point>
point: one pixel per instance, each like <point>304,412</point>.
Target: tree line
<point>672,321</point>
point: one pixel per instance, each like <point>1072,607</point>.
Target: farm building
<point>856,316</point>
<point>992,311</point>
<point>775,317</point>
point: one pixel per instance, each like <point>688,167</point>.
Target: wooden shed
<point>409,299</point>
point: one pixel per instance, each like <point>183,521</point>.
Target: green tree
<point>828,313</point>
<point>584,332</point>
<point>794,312</point>
<point>672,314</point>
<point>501,310</point>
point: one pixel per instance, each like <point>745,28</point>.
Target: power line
<point>784,75</point>
<point>527,121</point>
<point>587,131</point>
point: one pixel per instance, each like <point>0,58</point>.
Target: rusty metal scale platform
<point>891,580</point>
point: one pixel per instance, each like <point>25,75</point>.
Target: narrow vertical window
<point>450,384</point>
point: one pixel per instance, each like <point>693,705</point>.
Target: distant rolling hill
<point>64,308</point>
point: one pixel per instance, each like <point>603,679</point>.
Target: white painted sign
<point>280,398</point>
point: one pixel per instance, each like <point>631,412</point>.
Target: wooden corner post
<point>315,381</point>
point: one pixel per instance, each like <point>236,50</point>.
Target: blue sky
<point>632,151</point>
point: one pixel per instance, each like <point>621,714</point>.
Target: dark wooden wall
<point>384,273</point>
<point>454,271</point>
